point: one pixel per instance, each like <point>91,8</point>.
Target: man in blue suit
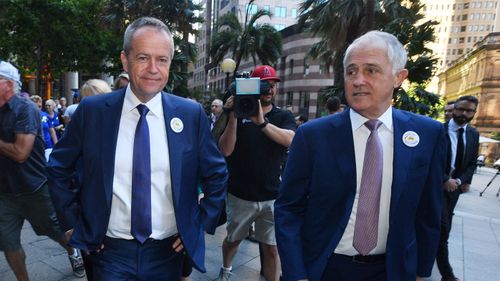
<point>143,153</point>
<point>361,196</point>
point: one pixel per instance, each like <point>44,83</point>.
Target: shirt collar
<point>357,120</point>
<point>131,102</point>
<point>452,125</point>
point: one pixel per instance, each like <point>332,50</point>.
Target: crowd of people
<point>128,180</point>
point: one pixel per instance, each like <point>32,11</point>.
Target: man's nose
<point>359,79</point>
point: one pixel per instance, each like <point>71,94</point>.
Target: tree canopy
<point>51,37</point>
<point>339,23</point>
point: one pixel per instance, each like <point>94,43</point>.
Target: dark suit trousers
<point>449,202</point>
<point>342,268</point>
<point>128,260</point>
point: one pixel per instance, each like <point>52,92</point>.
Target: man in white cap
<point>23,184</point>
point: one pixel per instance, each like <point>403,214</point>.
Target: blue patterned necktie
<point>366,226</point>
<point>140,226</point>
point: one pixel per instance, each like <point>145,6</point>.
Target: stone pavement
<point>474,244</point>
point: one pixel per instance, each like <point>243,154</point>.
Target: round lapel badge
<point>411,139</point>
<point>176,125</point>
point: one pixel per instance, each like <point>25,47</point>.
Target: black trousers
<point>450,200</point>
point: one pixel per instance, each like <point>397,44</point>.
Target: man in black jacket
<point>461,162</point>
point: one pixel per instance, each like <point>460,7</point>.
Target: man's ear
<point>400,77</point>
<point>124,60</point>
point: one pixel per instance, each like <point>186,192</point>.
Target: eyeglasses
<point>214,105</point>
<point>466,110</point>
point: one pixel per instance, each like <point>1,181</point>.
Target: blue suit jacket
<point>319,185</point>
<point>90,141</point>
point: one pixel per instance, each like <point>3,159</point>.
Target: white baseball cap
<point>9,72</point>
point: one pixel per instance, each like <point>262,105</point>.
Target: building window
<point>266,8</point>
<point>463,28</point>
<point>294,13</point>
<point>461,40</point>
<point>460,51</point>
<point>289,98</point>
<point>291,66</point>
<point>470,27</point>
<point>280,12</point>
<point>453,52</point>
<point>469,39</point>
<point>252,9</point>
<point>306,67</point>
<point>464,17</point>
<point>321,68</point>
<point>481,28</point>
<point>304,103</point>
<point>466,5</point>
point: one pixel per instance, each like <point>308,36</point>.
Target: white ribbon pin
<point>411,139</point>
<point>176,125</point>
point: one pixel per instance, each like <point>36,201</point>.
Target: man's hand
<point>420,278</point>
<point>178,246</point>
<point>259,118</point>
<point>229,103</point>
<point>465,187</point>
<point>451,185</point>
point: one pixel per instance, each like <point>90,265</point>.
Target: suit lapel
<point>343,148</point>
<point>403,156</point>
<point>170,111</point>
<point>109,134</point>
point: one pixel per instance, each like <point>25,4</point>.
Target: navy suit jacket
<point>319,186</point>
<point>90,141</point>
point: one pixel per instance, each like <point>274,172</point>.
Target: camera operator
<point>255,148</point>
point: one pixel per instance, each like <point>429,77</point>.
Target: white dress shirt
<point>162,210</point>
<point>453,134</point>
<point>360,134</point>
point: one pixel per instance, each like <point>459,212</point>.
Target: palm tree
<point>258,41</point>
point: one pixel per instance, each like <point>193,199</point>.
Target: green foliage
<point>64,35</point>
<point>258,41</point>
<point>495,136</point>
<point>87,35</point>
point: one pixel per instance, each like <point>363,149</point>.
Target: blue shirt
<point>46,125</point>
<point>21,116</point>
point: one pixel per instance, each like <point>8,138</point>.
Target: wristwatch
<point>261,126</point>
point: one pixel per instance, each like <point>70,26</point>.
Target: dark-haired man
<point>461,163</point>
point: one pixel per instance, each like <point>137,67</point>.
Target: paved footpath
<point>474,245</point>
